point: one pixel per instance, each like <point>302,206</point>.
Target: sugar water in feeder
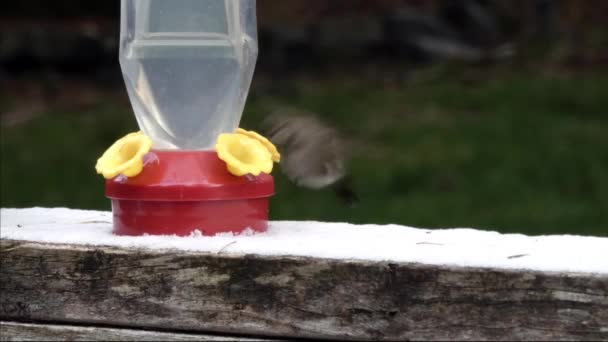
<point>187,66</point>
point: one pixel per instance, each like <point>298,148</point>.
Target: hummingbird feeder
<point>187,67</point>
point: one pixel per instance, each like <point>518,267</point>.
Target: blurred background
<point>488,114</point>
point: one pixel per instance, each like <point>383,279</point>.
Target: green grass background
<point>522,152</point>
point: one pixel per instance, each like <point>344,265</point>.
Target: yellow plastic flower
<point>276,156</point>
<point>243,155</point>
<point>125,156</point>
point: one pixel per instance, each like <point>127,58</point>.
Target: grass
<point>506,151</point>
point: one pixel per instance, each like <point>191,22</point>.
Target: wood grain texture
<point>296,297</point>
<point>11,331</point>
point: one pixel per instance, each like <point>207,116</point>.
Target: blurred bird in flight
<point>313,154</point>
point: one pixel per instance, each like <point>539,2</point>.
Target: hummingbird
<point>313,153</point>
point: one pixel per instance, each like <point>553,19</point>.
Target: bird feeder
<point>187,67</point>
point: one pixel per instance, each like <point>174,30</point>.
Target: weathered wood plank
<point>299,297</point>
<point>11,331</point>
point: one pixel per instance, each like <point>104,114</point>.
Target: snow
<point>393,243</point>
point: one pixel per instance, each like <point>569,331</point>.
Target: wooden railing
<point>77,291</point>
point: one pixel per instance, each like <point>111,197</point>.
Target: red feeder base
<point>180,192</point>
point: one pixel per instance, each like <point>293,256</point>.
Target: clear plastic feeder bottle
<point>188,65</point>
